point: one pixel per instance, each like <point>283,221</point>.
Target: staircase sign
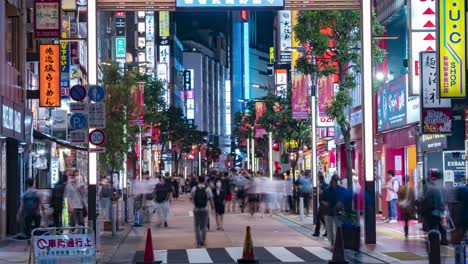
<point>97,137</point>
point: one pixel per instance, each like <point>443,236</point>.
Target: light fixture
<point>297,49</point>
<point>3,137</point>
<point>380,76</point>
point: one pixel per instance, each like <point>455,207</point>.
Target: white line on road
<point>198,255</point>
<point>283,254</point>
<point>160,255</point>
<point>320,252</point>
<point>235,252</point>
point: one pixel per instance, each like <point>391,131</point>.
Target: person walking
<point>333,201</point>
<point>76,206</point>
<point>322,210</point>
<point>288,190</point>
<point>104,197</point>
<point>201,197</point>
<point>57,198</point>
<point>392,187</point>
<point>226,186</point>
<point>219,196</point>
<point>161,191</point>
<point>406,201</point>
<point>29,209</point>
<point>305,188</point>
<point>175,183</point>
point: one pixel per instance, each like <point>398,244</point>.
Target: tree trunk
<point>349,159</point>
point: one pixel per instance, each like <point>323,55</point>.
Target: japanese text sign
<point>64,69</point>
<point>285,32</point>
<point>437,121</point>
<point>428,80</point>
<point>49,72</point>
<point>164,24</point>
<point>300,96</point>
<point>452,49</point>
<point>64,246</point>
<point>47,18</point>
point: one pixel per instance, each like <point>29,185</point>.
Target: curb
<point>377,256</point>
<point>110,255</point>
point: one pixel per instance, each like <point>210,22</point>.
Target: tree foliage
<point>333,39</point>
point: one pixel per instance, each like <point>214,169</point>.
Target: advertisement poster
<point>300,96</point>
<point>260,109</point>
<point>452,49</point>
<point>437,121</point>
<point>391,104</point>
<point>138,93</point>
<point>47,18</point>
<point>49,75</point>
<point>455,161</point>
<point>325,94</point>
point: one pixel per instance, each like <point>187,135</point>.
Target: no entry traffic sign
<point>97,137</point>
<point>78,92</point>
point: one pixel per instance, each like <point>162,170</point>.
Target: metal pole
<point>313,155</point>
<point>368,122</point>
<point>199,161</point>
<point>270,158</point>
<point>140,152</point>
<point>248,153</point>
<point>253,153</point>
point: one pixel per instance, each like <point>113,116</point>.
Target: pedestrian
<point>149,197</point>
<point>29,211</point>
<point>104,195</point>
<point>392,188</point>
<point>56,200</point>
<point>406,202</point>
<point>202,198</point>
<point>175,184</point>
<point>434,208</point>
<point>169,185</point>
<point>322,210</point>
<point>227,189</point>
<point>305,188</point>
<point>288,190</point>
<point>162,202</point>
<point>219,196</point>
<point>333,201</point>
<point>76,206</point>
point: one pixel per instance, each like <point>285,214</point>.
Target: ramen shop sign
<point>49,75</point>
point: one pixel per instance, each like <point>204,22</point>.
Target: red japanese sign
<point>437,121</point>
<point>64,246</point>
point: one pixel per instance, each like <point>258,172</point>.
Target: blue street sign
<point>78,92</point>
<point>78,121</point>
<point>96,93</point>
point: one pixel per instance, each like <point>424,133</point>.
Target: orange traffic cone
<point>248,255</point>
<point>148,256</point>
<point>338,249</point>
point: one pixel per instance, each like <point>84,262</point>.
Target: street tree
<point>332,39</point>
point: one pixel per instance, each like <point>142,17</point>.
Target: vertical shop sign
<point>49,72</point>
<point>452,49</point>
<point>64,69</point>
<point>149,36</point>
<point>260,109</point>
<point>120,24</point>
<point>164,24</point>
<point>120,47</point>
<point>300,98</point>
<point>138,93</point>
<point>428,80</point>
<point>164,54</point>
<point>326,90</point>
<point>47,18</point>
<point>281,80</point>
<point>285,35</point>
<point>422,38</point>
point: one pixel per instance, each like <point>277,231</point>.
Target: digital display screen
<point>227,4</point>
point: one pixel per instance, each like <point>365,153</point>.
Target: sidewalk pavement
<point>391,247</point>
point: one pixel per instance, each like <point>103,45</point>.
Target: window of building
<point>12,41</point>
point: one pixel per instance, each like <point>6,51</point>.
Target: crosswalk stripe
<point>160,255</point>
<point>320,252</point>
<point>198,255</point>
<point>283,254</point>
<point>234,252</point>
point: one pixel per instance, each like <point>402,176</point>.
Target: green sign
<point>120,47</point>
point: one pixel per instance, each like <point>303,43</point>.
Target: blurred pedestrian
<point>201,197</point>
<point>76,206</point>
<point>434,208</point>
<point>162,202</point>
<point>176,186</point>
<point>392,188</point>
<point>105,193</point>
<point>288,190</point>
<point>219,196</point>
<point>406,202</point>
<point>57,199</point>
<point>322,210</point>
<point>333,201</point>
<point>227,189</point>
<point>305,188</point>
<point>28,211</point>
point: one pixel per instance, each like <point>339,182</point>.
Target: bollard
<point>301,208</point>
<point>434,247</point>
<point>460,257</point>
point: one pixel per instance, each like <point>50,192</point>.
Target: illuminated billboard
<point>226,4</point>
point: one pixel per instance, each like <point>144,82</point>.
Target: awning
<point>40,135</point>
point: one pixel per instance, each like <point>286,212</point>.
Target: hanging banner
<point>428,80</point>
<point>300,98</point>
<point>64,69</point>
<point>49,75</point>
<point>437,121</point>
<point>452,49</point>
<point>285,38</point>
<point>138,93</point>
<point>281,80</point>
<point>260,109</point>
<point>326,91</point>
<point>47,18</point>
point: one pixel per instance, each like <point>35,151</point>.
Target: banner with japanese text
<point>49,75</point>
<point>299,97</point>
<point>260,109</point>
<point>47,18</point>
<point>325,93</point>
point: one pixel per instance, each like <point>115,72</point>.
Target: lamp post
<point>270,157</point>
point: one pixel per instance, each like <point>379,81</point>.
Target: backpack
<point>161,194</point>
<point>398,188</point>
<point>200,198</point>
<point>31,203</point>
<point>106,191</point>
<point>57,196</point>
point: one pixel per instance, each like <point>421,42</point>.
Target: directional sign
<point>97,150</point>
<point>78,121</point>
<point>78,92</point>
<point>79,136</point>
<point>97,137</point>
<point>77,107</point>
<point>97,115</point>
<point>96,93</point>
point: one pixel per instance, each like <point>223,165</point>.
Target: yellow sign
<point>272,55</point>
<point>164,24</point>
<point>49,75</point>
<point>452,49</point>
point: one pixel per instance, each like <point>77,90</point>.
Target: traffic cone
<point>338,249</point>
<point>248,255</point>
<point>148,256</point>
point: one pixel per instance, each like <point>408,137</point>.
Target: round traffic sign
<point>78,121</point>
<point>78,92</point>
<point>97,137</point>
<point>96,93</point>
